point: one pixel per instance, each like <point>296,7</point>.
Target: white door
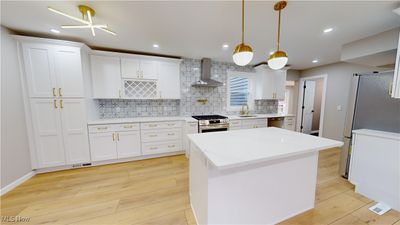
<point>130,68</point>
<point>68,70</point>
<point>103,146</point>
<point>39,69</point>
<point>148,69</point>
<point>128,144</point>
<point>169,81</point>
<point>308,104</point>
<point>47,131</point>
<point>106,76</point>
<point>73,122</point>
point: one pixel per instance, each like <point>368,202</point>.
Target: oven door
<point>213,128</point>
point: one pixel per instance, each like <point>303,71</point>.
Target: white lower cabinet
<point>128,144</point>
<point>103,146</point>
<point>254,123</point>
<point>60,132</point>
<point>118,141</point>
<point>190,128</point>
<point>289,123</point>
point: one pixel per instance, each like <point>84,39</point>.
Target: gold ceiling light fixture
<point>243,53</point>
<point>278,59</point>
<point>87,20</point>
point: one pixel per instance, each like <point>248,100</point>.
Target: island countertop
<point>243,147</point>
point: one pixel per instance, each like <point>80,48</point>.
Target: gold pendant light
<point>279,58</point>
<point>243,53</point>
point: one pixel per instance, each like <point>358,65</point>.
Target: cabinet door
<point>130,68</point>
<point>264,84</point>
<point>280,84</point>
<point>106,76</point>
<point>169,80</point>
<point>68,70</point>
<point>103,146</point>
<point>39,69</point>
<point>47,132</point>
<point>128,144</point>
<point>148,69</point>
<point>73,122</point>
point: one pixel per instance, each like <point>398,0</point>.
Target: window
<point>239,90</point>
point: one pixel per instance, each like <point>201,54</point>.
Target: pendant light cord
<point>279,28</point>
<point>242,21</point>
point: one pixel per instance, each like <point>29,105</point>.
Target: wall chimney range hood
<point>205,76</point>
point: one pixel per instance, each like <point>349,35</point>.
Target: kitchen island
<point>253,176</point>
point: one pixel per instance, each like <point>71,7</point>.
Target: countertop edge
<point>378,133</point>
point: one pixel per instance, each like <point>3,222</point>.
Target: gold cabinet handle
<point>170,134</point>
<point>117,136</point>
<point>153,135</point>
<point>128,126</point>
<point>54,92</point>
<point>55,104</point>
<point>102,128</point>
<point>171,146</point>
<point>61,104</point>
<point>153,148</point>
<point>113,136</point>
<point>59,92</point>
<point>152,125</point>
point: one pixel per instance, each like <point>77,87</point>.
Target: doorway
<point>312,92</point>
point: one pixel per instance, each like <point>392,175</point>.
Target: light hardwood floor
<point>155,191</point>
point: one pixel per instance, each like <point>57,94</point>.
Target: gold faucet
<point>244,111</point>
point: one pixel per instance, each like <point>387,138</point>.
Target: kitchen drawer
<point>254,123</point>
<point>192,128</point>
<point>127,126</point>
<point>161,135</point>
<point>101,128</point>
<point>289,119</point>
<point>235,123</point>
<point>161,147</point>
<point>161,125</point>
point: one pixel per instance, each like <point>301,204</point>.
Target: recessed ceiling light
<point>327,30</point>
<point>156,46</point>
<point>225,46</point>
<point>55,31</point>
<point>315,61</point>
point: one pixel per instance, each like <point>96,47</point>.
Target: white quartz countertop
<point>181,118</point>
<point>141,119</point>
<point>378,133</point>
<point>260,116</point>
<point>243,147</point>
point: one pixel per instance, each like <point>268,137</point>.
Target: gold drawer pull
<point>54,92</point>
<point>171,124</point>
<point>170,134</point>
<point>102,128</point>
<point>153,135</point>
<point>128,126</point>
<point>152,125</point>
<point>171,146</point>
<point>55,104</point>
<point>59,92</point>
<point>153,148</point>
<point>61,104</point>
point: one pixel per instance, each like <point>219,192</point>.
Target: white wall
<point>338,87</point>
<point>15,156</point>
<point>293,75</point>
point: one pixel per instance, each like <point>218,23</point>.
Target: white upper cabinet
<point>39,69</point>
<point>68,68</point>
<point>53,71</point>
<point>106,76</point>
<point>396,78</point>
<point>137,68</point>
<point>169,80</point>
<point>270,84</point>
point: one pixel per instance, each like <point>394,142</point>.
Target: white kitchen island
<point>254,176</point>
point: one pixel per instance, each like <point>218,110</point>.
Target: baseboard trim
<point>16,183</point>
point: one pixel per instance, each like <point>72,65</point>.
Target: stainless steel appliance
<point>212,123</point>
<point>370,107</point>
<point>276,122</point>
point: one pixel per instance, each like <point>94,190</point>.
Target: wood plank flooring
<point>155,191</point>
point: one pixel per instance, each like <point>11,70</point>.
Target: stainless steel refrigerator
<point>370,107</point>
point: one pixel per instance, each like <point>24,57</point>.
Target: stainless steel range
<point>212,123</point>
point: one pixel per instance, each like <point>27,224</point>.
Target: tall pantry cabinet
<point>53,85</point>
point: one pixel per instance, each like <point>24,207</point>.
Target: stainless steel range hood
<point>205,76</point>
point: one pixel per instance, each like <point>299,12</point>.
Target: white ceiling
<point>198,29</point>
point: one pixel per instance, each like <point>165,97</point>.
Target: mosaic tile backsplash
<point>187,105</point>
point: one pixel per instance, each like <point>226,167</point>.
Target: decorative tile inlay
<point>188,104</point>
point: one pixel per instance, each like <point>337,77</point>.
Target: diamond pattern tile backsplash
<point>187,105</point>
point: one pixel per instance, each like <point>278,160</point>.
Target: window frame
<point>250,94</point>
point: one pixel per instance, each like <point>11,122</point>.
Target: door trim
<point>300,101</point>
